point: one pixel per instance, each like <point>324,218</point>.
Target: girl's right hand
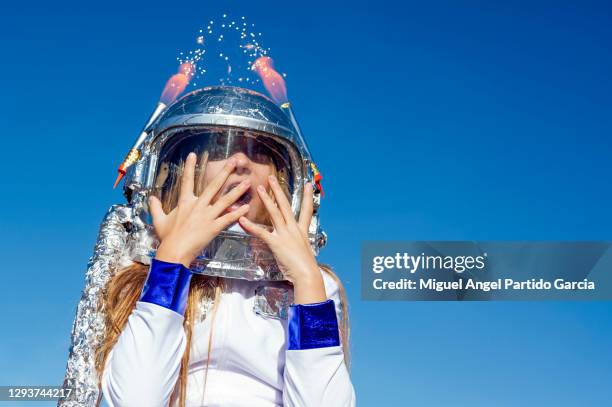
<point>195,221</point>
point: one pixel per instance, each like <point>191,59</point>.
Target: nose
<point>242,163</point>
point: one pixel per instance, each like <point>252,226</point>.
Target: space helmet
<point>216,123</point>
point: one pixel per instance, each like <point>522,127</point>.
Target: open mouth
<point>243,199</point>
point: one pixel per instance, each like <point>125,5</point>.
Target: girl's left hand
<point>289,242</point>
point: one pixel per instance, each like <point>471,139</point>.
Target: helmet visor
<point>213,146</point>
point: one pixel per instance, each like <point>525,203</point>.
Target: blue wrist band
<point>167,285</point>
<point>313,326</point>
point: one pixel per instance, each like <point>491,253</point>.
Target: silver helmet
<point>215,122</point>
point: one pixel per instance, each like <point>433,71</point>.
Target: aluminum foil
<point>236,254</point>
<point>273,301</point>
<point>88,326</point>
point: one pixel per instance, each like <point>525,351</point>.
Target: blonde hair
<point>123,291</point>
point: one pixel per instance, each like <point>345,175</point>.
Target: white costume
<point>249,366</point>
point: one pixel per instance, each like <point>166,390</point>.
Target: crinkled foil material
<point>273,301</point>
<point>237,255</point>
<point>88,326</point>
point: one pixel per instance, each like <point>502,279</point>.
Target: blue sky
<point>450,120</point>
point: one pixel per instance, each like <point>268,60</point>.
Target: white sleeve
<point>143,366</point>
<point>318,376</point>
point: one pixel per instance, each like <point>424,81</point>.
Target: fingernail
<point>260,188</point>
<point>272,178</point>
<point>232,161</point>
<point>246,182</point>
<point>191,155</point>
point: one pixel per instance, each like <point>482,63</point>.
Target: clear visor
<point>233,253</point>
<point>257,155</point>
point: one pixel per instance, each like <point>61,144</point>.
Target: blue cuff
<point>313,326</point>
<point>167,285</point>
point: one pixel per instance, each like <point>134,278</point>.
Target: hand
<point>289,242</point>
<point>194,222</point>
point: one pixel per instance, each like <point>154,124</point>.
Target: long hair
<point>123,291</point>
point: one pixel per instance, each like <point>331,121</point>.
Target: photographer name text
<point>472,284</point>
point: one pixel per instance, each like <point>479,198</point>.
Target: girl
<point>182,339</point>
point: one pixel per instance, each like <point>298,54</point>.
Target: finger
<point>255,230</point>
<point>275,216</point>
<point>231,197</point>
<point>229,218</point>
<point>156,210</point>
<point>281,199</point>
<point>215,185</point>
<point>307,208</point>
<point>187,178</point>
